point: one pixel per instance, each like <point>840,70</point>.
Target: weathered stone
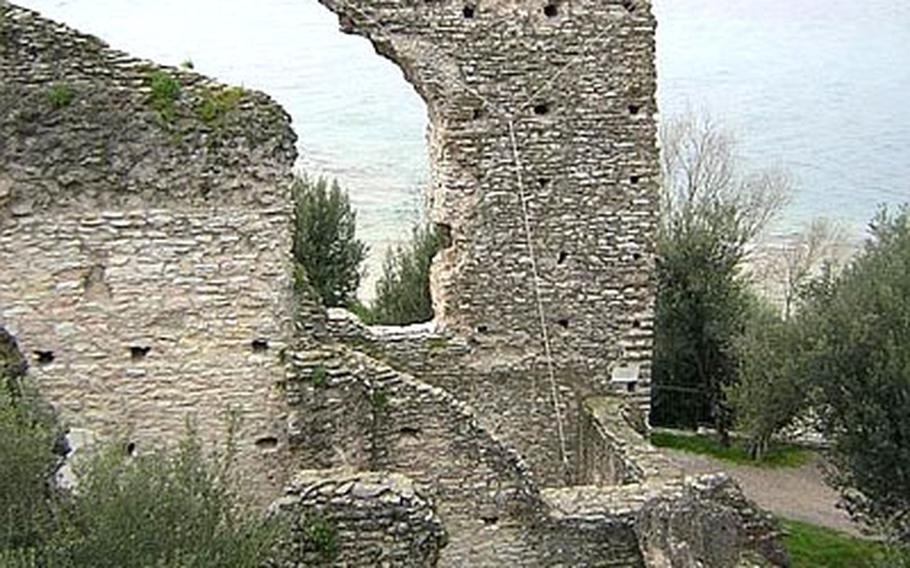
<point>111,297</point>
<point>151,282</point>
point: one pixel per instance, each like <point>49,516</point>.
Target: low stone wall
<point>351,411</point>
<point>612,451</point>
<point>350,518</point>
<point>510,392</point>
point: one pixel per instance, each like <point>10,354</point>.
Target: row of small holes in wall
<point>138,353</point>
<point>267,443</point>
<point>550,10</point>
<point>542,109</point>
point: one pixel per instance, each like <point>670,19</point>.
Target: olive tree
<point>860,368</point>
<point>712,211</point>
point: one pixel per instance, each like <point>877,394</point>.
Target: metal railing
<point>680,407</point>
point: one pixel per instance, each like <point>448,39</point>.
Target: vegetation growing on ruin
<point>60,95</point>
<point>29,446</point>
<point>319,376</point>
<point>157,508</point>
<point>214,104</point>
<point>321,536</point>
<point>166,91</point>
<point>327,251</point>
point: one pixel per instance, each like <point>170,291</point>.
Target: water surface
<point>815,86</point>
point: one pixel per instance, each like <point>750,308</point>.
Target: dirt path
<point>795,493</point>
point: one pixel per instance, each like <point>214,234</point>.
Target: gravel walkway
<point>796,493</point>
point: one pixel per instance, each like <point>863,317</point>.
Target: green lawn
<point>811,546</point>
<point>780,455</point>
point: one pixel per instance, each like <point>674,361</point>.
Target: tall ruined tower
<point>545,172</point>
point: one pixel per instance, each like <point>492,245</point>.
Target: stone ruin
<point>147,276</point>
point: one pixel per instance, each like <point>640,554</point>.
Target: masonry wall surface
<point>545,168</point>
<point>143,244</point>
<point>145,248</point>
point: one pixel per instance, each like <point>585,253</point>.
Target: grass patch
<point>215,104</point>
<point>364,313</point>
<point>165,92</point>
<point>60,95</point>
<point>811,546</point>
<point>780,455</point>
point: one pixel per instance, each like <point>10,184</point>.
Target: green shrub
<point>159,509</point>
<point>403,290</point>
<point>60,95</point>
<point>28,439</point>
<point>214,104</point>
<point>165,93</point>
<point>326,249</point>
<point>29,444</point>
<point>321,537</point>
<point>860,366</point>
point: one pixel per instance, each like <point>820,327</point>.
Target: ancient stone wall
<point>145,247</point>
<point>359,519</point>
<point>144,238</point>
<point>545,171</point>
<point>544,155</point>
<point>351,411</point>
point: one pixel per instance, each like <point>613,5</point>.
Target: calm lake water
<point>819,87</point>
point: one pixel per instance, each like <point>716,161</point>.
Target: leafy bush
<point>403,291</point>
<point>158,509</point>
<point>60,95</point>
<point>166,90</point>
<point>861,370</point>
<point>214,104</point>
<point>326,249</point>
<point>29,446</point>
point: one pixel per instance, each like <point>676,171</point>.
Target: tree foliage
<point>712,211</point>
<point>861,371</point>
<point>403,290</point>
<point>772,386</point>
<point>326,249</point>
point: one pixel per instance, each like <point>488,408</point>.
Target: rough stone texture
<point>360,519</point>
<point>487,379</point>
<point>352,411</point>
<point>142,257</point>
<point>147,276</point>
<point>545,172</point>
